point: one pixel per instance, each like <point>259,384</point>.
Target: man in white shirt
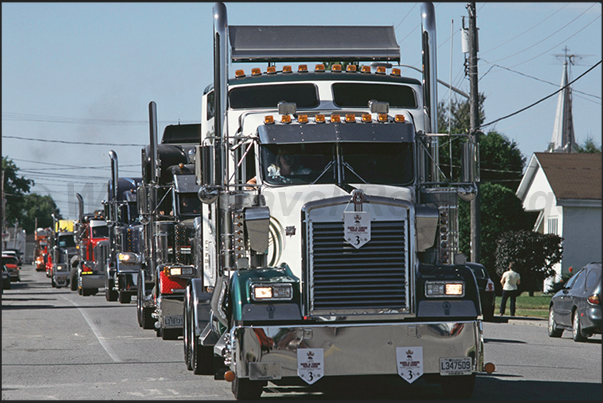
<point>509,280</point>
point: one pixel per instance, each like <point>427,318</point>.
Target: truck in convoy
<point>87,272</point>
<point>168,203</point>
<point>40,248</point>
<point>329,235</point>
<point>61,249</point>
<point>123,260</point>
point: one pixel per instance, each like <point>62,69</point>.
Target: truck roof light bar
<point>336,68</point>
<point>302,68</point>
<point>351,68</point>
<point>365,69</point>
<point>256,72</point>
<point>287,69</point>
<point>319,68</point>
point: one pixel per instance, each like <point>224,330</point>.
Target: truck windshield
<point>100,232</point>
<point>337,163</point>
<point>66,241</point>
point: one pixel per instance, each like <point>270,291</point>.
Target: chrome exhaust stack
<point>430,82</point>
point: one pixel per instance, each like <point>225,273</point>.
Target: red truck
<point>40,248</point>
<point>87,268</point>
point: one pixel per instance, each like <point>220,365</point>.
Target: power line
<point>74,142</point>
<point>541,100</point>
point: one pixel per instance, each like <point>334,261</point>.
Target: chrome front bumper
<point>170,312</point>
<point>266,352</point>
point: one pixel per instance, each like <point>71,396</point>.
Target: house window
<point>553,226</point>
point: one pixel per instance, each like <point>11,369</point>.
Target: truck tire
<point>244,389</point>
<point>73,279</point>
<point>202,358</point>
<point>124,298</point>
<point>458,387</point>
<point>110,292</point>
<point>148,322</point>
<point>170,334</point>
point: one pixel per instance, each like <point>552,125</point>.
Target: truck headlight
<point>272,292</point>
<point>128,257</point>
<point>444,289</point>
<point>178,271</point>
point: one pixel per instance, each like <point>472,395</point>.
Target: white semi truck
<point>328,234</point>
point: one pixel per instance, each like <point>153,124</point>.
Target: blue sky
<point>86,72</point>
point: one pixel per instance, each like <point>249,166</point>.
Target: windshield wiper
<point>323,172</point>
<point>345,164</point>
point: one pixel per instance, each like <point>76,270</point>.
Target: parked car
<point>577,306</point>
<point>13,267</point>
<point>5,278</point>
<point>15,253</point>
<point>486,289</point>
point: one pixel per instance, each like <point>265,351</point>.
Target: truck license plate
<point>173,321</point>
<point>455,366</point>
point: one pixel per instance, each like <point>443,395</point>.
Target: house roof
<point>572,176</point>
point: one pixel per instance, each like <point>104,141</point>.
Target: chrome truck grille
<point>371,279</point>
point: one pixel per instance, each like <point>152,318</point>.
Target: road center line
<point>96,332</point>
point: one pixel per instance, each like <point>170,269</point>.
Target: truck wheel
<point>244,389</point>
<point>554,331</point>
<point>170,334</point>
<point>148,322</point>
<point>458,387</point>
<point>73,280</point>
<point>187,334</point>
<point>124,298</point>
<point>202,358</point>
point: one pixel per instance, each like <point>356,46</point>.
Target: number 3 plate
<point>455,366</point>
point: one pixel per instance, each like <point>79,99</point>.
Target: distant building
<point>565,189</point>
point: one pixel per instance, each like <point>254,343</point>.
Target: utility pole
<point>474,131</point>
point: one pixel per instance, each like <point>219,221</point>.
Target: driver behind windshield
<point>286,164</point>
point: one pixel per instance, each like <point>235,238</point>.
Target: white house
<point>565,189</point>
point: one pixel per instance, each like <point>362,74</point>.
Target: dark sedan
<point>577,306</point>
<point>486,289</point>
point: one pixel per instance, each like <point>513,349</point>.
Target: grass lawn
<point>526,306</point>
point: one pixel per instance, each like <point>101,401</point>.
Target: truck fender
<point>200,304</point>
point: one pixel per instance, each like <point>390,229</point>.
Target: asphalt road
<point>58,345</point>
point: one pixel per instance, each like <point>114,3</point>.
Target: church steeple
<point>563,139</point>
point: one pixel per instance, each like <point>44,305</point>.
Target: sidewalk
<point>520,320</point>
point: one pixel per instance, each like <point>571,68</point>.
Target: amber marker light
<point>351,68</point>
<point>335,119</point>
<point>240,73</point>
<point>320,118</point>
<point>271,70</point>
<point>396,72</point>
<point>268,119</point>
<point>365,69</point>
<point>302,118</point>
<point>399,119</point>
<point>336,68</point>
<point>489,367</point>
<point>302,68</point>
<point>350,118</point>
<point>229,376</point>
<point>382,117</point>
<point>286,119</point>
<point>256,71</point>
<point>287,69</point>
<point>366,118</point>
<point>319,68</point>
<point>380,70</point>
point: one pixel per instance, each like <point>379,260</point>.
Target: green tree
<point>22,206</point>
<point>535,255</point>
<point>589,146</point>
<point>501,212</point>
<point>15,188</point>
<point>40,207</point>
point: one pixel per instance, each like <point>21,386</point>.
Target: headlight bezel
<point>445,289</point>
<point>271,292</point>
<point>128,258</point>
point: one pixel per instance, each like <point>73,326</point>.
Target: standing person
<point>509,280</point>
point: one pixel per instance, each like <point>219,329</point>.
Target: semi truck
<point>124,258</point>
<point>87,271</point>
<point>62,249</point>
<point>40,248</point>
<point>328,232</point>
<point>168,203</point>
